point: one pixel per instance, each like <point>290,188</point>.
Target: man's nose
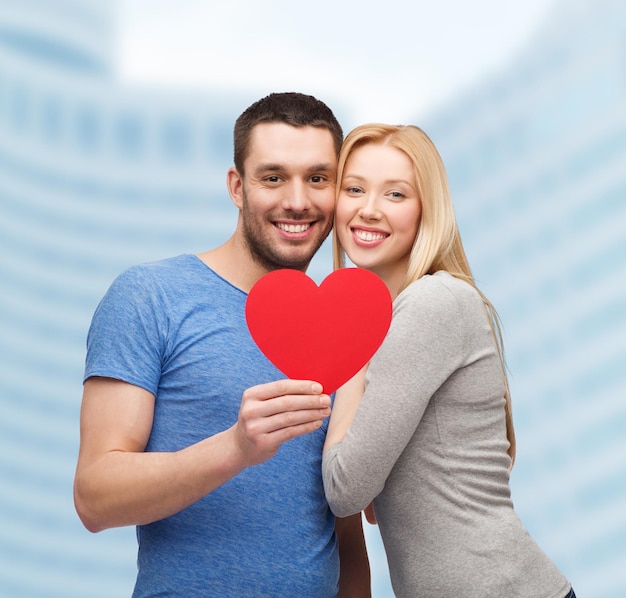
<point>296,197</point>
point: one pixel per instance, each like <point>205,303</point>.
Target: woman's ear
<point>234,183</point>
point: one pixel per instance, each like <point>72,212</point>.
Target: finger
<point>254,408</point>
<point>282,435</point>
<point>278,388</point>
<point>283,420</point>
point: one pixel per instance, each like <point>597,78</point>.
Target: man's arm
<point>117,483</point>
<point>354,573</point>
<point>354,576</point>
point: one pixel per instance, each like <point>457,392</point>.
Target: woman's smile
<point>378,210</point>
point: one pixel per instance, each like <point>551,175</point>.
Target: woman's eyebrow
<point>357,177</point>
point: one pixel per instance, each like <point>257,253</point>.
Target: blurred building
<point>95,177</point>
<point>537,161</point>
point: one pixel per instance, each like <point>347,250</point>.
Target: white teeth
<point>366,235</point>
<point>293,228</point>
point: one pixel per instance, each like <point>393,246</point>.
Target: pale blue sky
<point>386,61</point>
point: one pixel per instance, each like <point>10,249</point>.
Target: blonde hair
<point>437,245</point>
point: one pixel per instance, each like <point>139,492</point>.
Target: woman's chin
<point>363,264</point>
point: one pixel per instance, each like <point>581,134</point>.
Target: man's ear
<point>234,182</point>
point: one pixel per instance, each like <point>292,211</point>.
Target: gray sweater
<point>428,445</point>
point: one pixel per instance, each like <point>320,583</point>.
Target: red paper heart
<point>326,333</point>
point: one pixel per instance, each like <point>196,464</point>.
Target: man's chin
<point>283,254</point>
<point>289,259</point>
<point>293,263</point>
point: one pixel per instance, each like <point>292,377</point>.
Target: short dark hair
<point>296,109</point>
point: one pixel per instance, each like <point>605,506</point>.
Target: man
<point>187,431</point>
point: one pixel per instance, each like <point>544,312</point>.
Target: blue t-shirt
<point>178,330</point>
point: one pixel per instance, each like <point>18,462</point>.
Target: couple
<point>190,434</point>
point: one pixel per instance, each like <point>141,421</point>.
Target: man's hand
<point>275,412</point>
<point>118,483</point>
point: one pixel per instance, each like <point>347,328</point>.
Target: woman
<point>432,442</point>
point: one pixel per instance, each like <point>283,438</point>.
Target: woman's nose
<point>369,209</point>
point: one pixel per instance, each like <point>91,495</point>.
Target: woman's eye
<point>353,190</point>
<point>396,195</point>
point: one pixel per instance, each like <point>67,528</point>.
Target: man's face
<point>287,194</point>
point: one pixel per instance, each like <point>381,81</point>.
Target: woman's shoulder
<point>440,291</point>
<point>439,285</point>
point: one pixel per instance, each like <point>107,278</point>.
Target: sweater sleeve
<point>424,346</point>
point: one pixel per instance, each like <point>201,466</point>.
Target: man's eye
<point>317,179</point>
<point>272,179</point>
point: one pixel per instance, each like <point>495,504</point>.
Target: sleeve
<point>128,332</point>
<point>424,346</point>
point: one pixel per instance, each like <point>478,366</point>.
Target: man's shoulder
<point>162,266</point>
<point>180,284</point>
<point>163,270</point>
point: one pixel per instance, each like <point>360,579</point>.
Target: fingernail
<point>316,388</point>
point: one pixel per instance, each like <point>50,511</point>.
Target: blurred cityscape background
<point>97,175</point>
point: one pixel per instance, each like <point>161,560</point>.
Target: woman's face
<point>378,210</point>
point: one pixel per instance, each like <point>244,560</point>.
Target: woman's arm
<point>347,400</point>
<point>424,345</point>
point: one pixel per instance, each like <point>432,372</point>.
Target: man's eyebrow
<point>269,167</point>
<point>323,167</point>
<point>277,167</point>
